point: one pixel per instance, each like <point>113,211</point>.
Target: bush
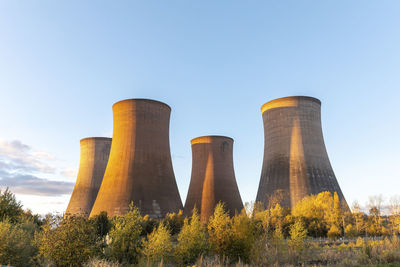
<point>350,231</point>
<point>243,237</point>
<point>220,231</point>
<point>297,236</point>
<point>102,224</point>
<point>16,243</point>
<point>192,240</point>
<point>174,222</point>
<point>158,246</point>
<point>70,242</point>
<point>334,232</point>
<point>124,237</point>
<point>95,262</point>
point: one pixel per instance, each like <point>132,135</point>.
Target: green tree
<point>102,224</point>
<point>125,241</point>
<point>192,240</point>
<point>158,246</point>
<point>70,242</point>
<point>10,208</point>
<point>174,222</point>
<point>16,243</point>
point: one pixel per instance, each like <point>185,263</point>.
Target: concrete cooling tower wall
<point>295,159</point>
<point>93,162</point>
<point>213,178</point>
<point>140,168</point>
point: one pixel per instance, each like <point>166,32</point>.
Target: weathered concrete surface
<point>93,162</point>
<point>140,166</point>
<point>213,177</point>
<point>295,157</point>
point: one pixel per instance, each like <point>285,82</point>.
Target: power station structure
<point>139,169</point>
<point>93,163</point>
<point>213,177</point>
<point>295,163</point>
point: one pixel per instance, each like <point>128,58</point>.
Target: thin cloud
<point>70,173</point>
<point>21,169</point>
<point>20,157</point>
<point>32,185</point>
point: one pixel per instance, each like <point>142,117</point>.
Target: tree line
<point>258,235</point>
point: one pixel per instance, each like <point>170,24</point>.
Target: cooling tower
<point>93,162</point>
<point>295,159</point>
<point>213,178</point>
<point>140,168</point>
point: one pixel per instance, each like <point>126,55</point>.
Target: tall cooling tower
<point>140,168</point>
<point>213,178</point>
<point>295,159</point>
<point>93,162</point>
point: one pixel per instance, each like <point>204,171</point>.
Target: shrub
<point>158,246</point>
<point>102,224</point>
<point>334,232</point>
<point>243,237</point>
<point>174,222</point>
<point>96,262</point>
<point>125,242</point>
<point>350,231</point>
<point>297,236</point>
<point>192,240</point>
<point>220,231</point>
<point>16,243</point>
<point>70,242</point>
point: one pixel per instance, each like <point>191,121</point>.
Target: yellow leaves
<point>334,232</point>
<point>298,234</point>
<point>158,245</point>
<point>350,231</point>
<point>192,240</point>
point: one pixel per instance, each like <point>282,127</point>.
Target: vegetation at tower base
<point>276,236</point>
<point>192,240</point>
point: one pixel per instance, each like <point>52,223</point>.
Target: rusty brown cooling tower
<point>213,178</point>
<point>295,159</point>
<point>93,162</point>
<point>140,168</point>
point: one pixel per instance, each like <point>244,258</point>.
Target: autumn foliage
<point>319,229</point>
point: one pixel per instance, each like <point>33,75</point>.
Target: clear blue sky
<point>64,63</point>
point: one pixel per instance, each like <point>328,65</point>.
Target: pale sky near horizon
<point>64,63</point>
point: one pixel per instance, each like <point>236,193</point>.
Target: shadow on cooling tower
<point>295,161</point>
<point>213,177</point>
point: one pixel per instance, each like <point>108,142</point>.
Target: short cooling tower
<point>140,168</point>
<point>213,178</point>
<point>93,162</point>
<point>295,159</point>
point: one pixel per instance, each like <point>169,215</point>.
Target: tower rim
<point>141,100</point>
<point>287,101</point>
<point>206,138</point>
<point>95,138</point>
